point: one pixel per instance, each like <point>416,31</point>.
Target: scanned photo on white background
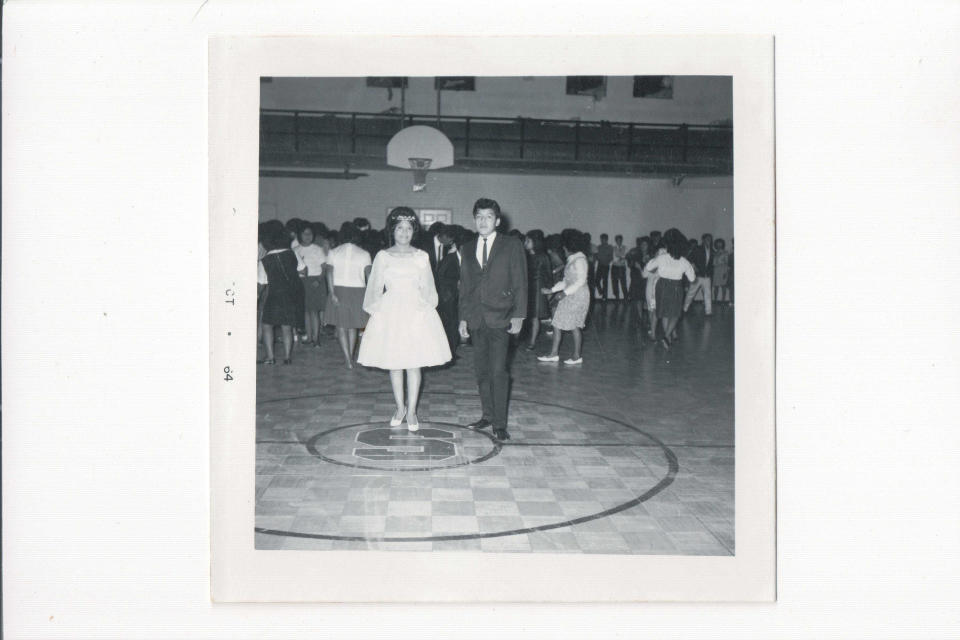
<point>491,327</point>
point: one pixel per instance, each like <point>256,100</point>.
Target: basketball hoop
<point>420,148</point>
<point>420,167</point>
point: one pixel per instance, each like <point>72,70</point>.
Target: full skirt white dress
<point>404,330</point>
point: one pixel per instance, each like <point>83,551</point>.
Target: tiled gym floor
<point>629,453</point>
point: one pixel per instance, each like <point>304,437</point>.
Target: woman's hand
<point>546,291</point>
<point>334,299</point>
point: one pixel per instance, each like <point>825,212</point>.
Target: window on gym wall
<point>653,87</point>
<point>595,86</point>
<point>455,83</point>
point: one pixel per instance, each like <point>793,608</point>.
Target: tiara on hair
<point>405,217</point>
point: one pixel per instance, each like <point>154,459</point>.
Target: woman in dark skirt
<point>347,273</point>
<point>313,255</point>
<point>540,276</point>
<point>283,304</point>
<point>670,268</point>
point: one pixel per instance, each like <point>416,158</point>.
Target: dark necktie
<point>483,263</point>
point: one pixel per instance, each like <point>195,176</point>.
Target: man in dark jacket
<point>448,284</point>
<point>702,259</point>
<point>493,305</point>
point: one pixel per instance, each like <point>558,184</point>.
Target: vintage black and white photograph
<point>496,314</point>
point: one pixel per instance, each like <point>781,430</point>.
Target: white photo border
<point>239,573</point>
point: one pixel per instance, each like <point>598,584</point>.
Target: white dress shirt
<point>490,239</point>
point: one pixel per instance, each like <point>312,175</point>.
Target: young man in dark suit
<point>493,305</point>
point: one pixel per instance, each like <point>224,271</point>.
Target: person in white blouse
<point>347,272</point>
<point>574,293</point>
<point>314,284</point>
<point>670,268</point>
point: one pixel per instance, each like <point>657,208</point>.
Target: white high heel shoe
<point>412,426</point>
<point>396,422</point>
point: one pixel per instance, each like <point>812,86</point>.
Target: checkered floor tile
<point>629,453</point>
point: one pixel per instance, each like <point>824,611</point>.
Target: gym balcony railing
<point>336,139</point>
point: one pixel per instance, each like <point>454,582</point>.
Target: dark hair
<point>643,239</point>
<point>706,235</point>
<point>436,228</point>
<point>719,243</point>
<point>273,236</point>
<point>675,243</point>
<point>554,242</point>
<point>486,203</point>
<point>303,229</point>
<point>618,237</point>
<point>535,236</point>
<point>359,223</point>
<point>320,230</point>
<point>398,215</point>
<point>573,240</point>
<point>294,225</point>
<point>604,236</point>
<point>348,234</point>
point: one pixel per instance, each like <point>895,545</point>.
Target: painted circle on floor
<point>378,447</point>
<point>672,467</point>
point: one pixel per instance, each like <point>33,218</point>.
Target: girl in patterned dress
<point>574,294</point>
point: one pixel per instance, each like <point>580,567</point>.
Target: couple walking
<point>405,333</point>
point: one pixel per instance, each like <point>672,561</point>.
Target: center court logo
<point>434,445</point>
<point>375,446</point>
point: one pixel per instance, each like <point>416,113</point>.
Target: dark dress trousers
<point>489,298</point>
<point>448,293</point>
<point>702,263</point>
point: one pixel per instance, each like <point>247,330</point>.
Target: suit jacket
<point>448,280</point>
<point>494,295</point>
<point>702,265</point>
<point>425,242</point>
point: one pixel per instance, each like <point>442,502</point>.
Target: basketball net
<point>420,167</point>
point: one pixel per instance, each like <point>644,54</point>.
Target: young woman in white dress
<point>404,332</point>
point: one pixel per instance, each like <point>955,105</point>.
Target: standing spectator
<point>283,303</point>
<point>448,284</point>
<point>721,271</point>
<point>539,277</point>
<point>655,241</point>
<point>314,284</point>
<point>604,260</point>
<point>702,258</point>
<point>618,270</point>
<point>349,267</point>
<point>591,254</point>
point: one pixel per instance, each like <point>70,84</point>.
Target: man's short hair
<point>604,236</point>
<point>618,237</point>
<point>486,203</point>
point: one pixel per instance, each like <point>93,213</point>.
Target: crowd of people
<point>416,294</point>
<point>313,280</point>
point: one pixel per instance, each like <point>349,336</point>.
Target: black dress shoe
<point>501,434</point>
<point>482,423</point>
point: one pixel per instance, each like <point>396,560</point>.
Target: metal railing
<point>358,135</point>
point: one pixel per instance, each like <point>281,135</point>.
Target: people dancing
<point>404,332</point>
<point>574,294</point>
<point>670,268</point>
